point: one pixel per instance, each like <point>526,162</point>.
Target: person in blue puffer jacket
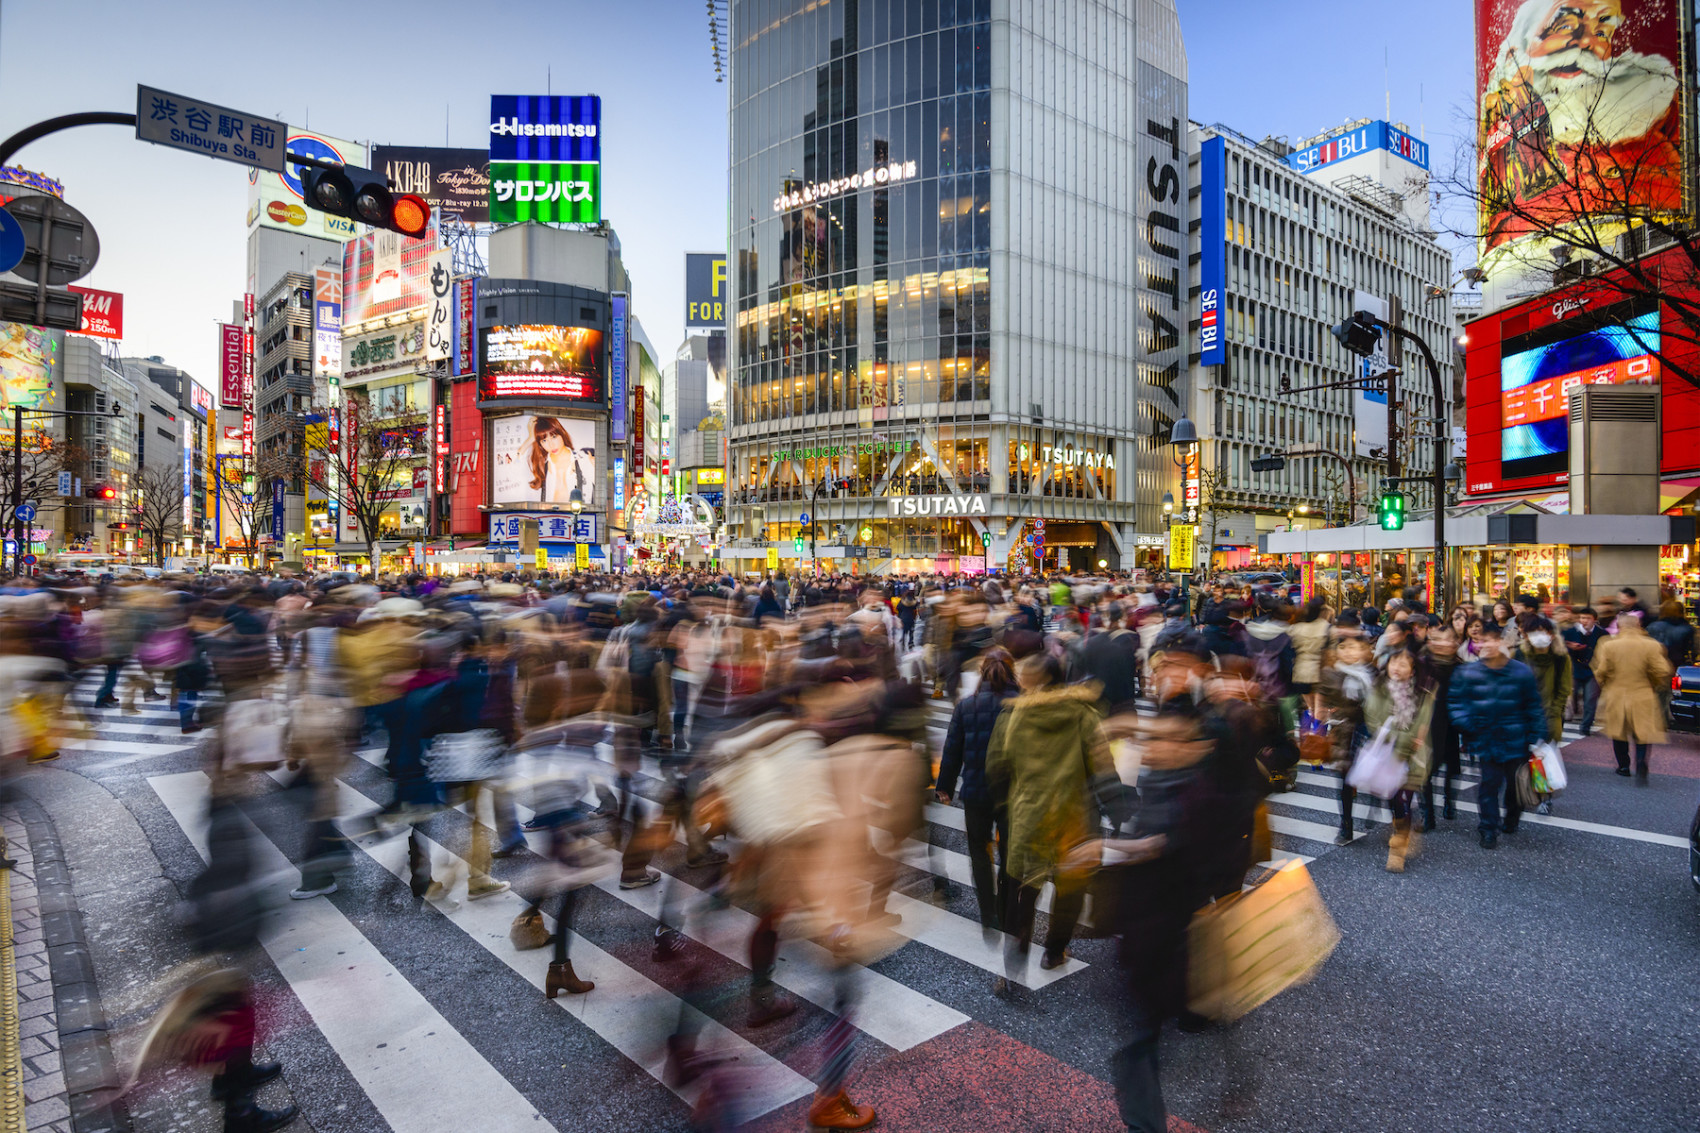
<point>965,744</point>
<point>1497,707</point>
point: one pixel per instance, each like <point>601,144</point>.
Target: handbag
<point>1314,745</point>
<point>528,931</point>
<point>464,757</point>
<point>1378,770</point>
<point>166,649</point>
<point>1557,777</point>
<point>253,735</point>
<point>1248,948</point>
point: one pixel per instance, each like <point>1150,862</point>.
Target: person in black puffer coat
<point>965,745</point>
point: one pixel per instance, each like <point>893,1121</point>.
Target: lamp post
<point>1183,438</point>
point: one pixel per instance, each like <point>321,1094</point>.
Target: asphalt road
<point>1547,985</point>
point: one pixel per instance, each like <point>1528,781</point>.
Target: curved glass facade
<point>929,198</point>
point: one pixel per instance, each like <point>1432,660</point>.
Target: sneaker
<point>1544,808</point>
<point>713,857</point>
<point>648,877</point>
<point>669,944</point>
<point>509,850</point>
<point>1490,840</point>
<point>302,893</point>
<point>486,889</point>
<point>1624,771</point>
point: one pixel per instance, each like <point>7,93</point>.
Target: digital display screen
<point>1536,382</point>
<point>552,362</point>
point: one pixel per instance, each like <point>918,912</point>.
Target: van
<point>227,568</point>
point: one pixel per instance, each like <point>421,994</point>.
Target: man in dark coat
<point>1497,707</point>
<point>1110,656</point>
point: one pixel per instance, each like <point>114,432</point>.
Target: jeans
<point>1139,1092</point>
<point>980,819</point>
<point>186,698</point>
<point>1497,779</point>
<point>110,684</point>
<point>1587,689</point>
<point>682,692</point>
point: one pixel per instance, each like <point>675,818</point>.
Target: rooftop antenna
<point>446,124</point>
<point>1386,85</point>
<point>1422,113</point>
<point>548,80</point>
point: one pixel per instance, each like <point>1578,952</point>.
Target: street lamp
<point>576,501</point>
<point>1168,502</point>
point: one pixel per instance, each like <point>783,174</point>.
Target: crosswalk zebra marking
<point>388,1035</point>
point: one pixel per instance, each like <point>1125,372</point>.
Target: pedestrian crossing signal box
<point>1392,511</point>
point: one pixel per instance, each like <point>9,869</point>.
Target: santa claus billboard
<point>1581,112</point>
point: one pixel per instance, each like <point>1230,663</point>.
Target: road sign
<point>55,234</point>
<point>26,512</point>
<point>11,241</point>
<point>29,560</point>
<point>804,518</point>
<point>1038,525</point>
<point>64,483</point>
<point>208,129</point>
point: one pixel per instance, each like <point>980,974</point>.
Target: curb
<point>91,1075</point>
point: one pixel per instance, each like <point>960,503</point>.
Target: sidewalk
<point>31,1079</point>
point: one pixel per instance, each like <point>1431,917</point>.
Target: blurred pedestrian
<point>1401,702</point>
<point>1633,671</point>
<point>1497,707</point>
<point>965,745</point>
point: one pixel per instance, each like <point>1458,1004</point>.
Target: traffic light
<point>1269,464</point>
<point>364,195</point>
<point>1392,511</point>
<point>1359,334</point>
<point>101,492</point>
<point>797,545</point>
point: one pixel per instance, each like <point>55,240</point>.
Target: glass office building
<point>960,271</point>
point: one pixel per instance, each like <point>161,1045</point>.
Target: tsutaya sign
<point>838,186</point>
<point>936,505</point>
<point>1069,457</point>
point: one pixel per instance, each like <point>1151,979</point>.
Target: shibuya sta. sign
<point>936,505</point>
<point>869,178</point>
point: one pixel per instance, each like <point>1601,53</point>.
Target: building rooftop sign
<point>1357,141</point>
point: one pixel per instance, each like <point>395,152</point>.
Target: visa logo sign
<point>339,226</point>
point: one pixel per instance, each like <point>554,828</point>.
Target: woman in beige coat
<point>1632,670</point>
<point>1310,638</point>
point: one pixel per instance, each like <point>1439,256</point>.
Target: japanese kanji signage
<point>545,190</point>
<point>216,131</point>
<point>440,323</point>
<point>553,526</point>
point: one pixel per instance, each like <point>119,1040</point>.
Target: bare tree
<point>370,466</point>
<point>44,458</point>
<point>240,503</point>
<point>1583,183</point>
<point>1212,498</point>
<point>156,506</point>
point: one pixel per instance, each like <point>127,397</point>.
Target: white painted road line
<point>386,1033</point>
<point>628,1010</point>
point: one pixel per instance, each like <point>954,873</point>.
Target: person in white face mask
<point>1544,652</point>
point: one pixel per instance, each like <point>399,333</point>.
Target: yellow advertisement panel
<point>1181,545</point>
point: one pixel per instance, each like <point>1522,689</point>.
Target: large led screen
<point>1535,387</point>
<point>548,362</point>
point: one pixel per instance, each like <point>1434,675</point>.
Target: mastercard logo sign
<point>286,213</point>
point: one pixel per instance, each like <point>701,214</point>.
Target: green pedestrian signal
<point>985,538</point>
<point>797,544</point>
<point>1392,511</point>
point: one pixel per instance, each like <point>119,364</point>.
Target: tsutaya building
<point>939,335</point>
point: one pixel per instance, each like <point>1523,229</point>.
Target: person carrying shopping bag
<point>1403,705</point>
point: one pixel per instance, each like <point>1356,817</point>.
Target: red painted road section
<point>1680,756</point>
<point>975,1079</point>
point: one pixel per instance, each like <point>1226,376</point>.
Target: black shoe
<point>1511,827</point>
<point>1193,1023</point>
<point>1490,840</point>
<point>107,702</point>
<point>1343,836</point>
<point>669,944</point>
<point>1428,819</point>
<point>250,1118</point>
<point>258,1075</point>
<point>1624,771</point>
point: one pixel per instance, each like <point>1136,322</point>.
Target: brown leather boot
<point>1398,844</point>
<point>839,1112</point>
<point>563,978</point>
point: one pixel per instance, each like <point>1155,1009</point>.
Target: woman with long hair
<point>555,470</point>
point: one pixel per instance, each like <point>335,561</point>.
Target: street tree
<point>370,465</point>
<point>156,506</point>
<point>241,505</point>
<point>44,458</point>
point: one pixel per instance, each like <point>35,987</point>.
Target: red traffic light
<point>108,492</point>
<point>410,215</point>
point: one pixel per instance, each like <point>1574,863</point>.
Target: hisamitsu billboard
<point>535,128</point>
<point>705,290</point>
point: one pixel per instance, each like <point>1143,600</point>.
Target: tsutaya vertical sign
<point>1160,204</point>
<point>1212,250</point>
<point>617,367</point>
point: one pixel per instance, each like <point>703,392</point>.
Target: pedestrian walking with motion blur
<point>1404,705</point>
<point>1633,671</point>
<point>1582,639</point>
<point>1440,662</point>
<point>1345,686</point>
<point>965,745</point>
<point>1497,706</point>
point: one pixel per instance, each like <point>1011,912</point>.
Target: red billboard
<point>103,312</point>
<point>1522,364</point>
<point>466,459</point>
<point>1580,114</point>
<point>230,365</point>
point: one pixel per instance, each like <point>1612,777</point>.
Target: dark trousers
<point>981,819</point>
<point>1587,690</point>
<point>1620,748</point>
<point>110,684</point>
<point>1019,911</point>
<point>1497,779</point>
<point>1446,757</point>
<point>1133,1069</point>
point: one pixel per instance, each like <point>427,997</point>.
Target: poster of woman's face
<point>542,460</point>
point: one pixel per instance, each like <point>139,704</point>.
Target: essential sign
<point>230,365</point>
<point>705,290</point>
<point>103,313</point>
<point>206,128</point>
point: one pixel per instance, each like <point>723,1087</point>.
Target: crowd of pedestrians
<point>768,739</point>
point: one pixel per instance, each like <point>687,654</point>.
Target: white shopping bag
<point>1376,770</point>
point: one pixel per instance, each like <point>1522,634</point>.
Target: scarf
<point>1404,695</point>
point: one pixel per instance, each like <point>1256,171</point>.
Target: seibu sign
<point>103,312</point>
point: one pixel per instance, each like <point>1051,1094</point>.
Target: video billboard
<point>542,460</point>
<point>455,181</point>
<point>555,362</point>
<point>386,273</point>
<point>275,200</point>
<point>1536,379</point>
<point>1580,114</point>
<point>25,377</point>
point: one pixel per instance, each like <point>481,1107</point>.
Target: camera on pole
<point>363,195</point>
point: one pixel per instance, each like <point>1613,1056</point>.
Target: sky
<point>421,73</point>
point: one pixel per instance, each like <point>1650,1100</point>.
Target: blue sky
<point>171,225</point>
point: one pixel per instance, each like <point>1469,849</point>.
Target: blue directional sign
<point>804,518</point>
<point>12,242</point>
<point>26,512</point>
